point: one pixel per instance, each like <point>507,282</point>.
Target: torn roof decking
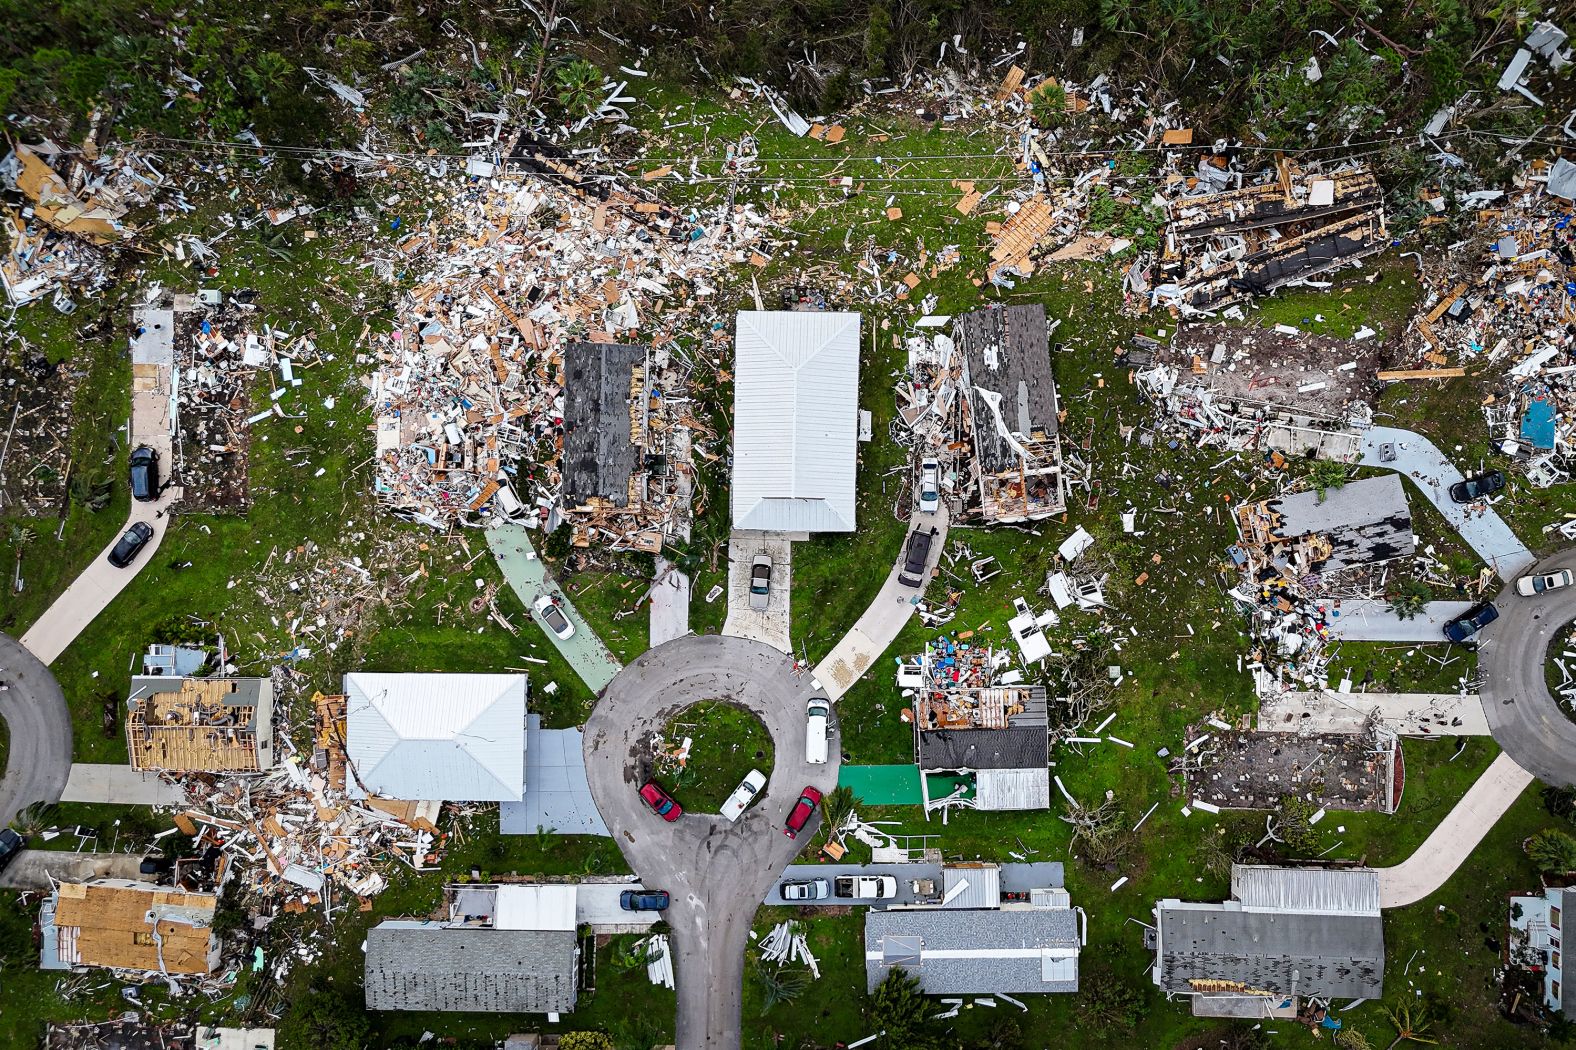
<point>1313,253</point>
<point>600,453</point>
<point>1277,370</point>
<point>113,923</point>
<point>199,725</point>
<point>1256,207</point>
<point>1007,351</point>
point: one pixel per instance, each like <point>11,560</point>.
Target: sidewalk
<point>670,598</point>
<point>528,576</point>
<point>1419,459</point>
<point>1431,866</point>
<point>1407,714</point>
<point>880,624</point>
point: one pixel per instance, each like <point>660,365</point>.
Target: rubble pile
<point>469,393</point>
<point>1234,769</point>
<point>35,431</point>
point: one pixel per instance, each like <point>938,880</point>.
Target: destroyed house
<point>1358,524</point>
<point>604,423</point>
<point>1537,932</point>
<point>1223,247</point>
<point>126,925</point>
<point>1016,948</point>
<point>1289,932</point>
<point>435,737</point>
<point>416,965</point>
<point>795,421</point>
<point>1010,394</point>
<point>200,725</point>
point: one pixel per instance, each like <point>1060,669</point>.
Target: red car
<point>802,810</point>
<point>661,802</point>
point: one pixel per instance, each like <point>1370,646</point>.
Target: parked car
<point>802,811</point>
<point>1478,487</point>
<point>1548,581</point>
<point>1471,622</point>
<point>744,794</point>
<point>916,556</point>
<point>816,711</point>
<point>805,890</point>
<point>866,887</point>
<point>760,582</point>
<point>651,900</point>
<point>130,545</point>
<point>661,802</point>
<point>547,608</point>
<point>929,486</point>
<point>10,845</point>
<point>144,474</point>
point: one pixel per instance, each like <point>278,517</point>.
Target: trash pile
<point>74,207</point>
<point>786,944</point>
<point>518,277</point>
<point>1233,769</point>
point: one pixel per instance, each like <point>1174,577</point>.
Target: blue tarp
<point>1537,423</point>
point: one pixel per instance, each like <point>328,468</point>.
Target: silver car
<point>806,890</point>
<point>929,486</point>
<point>760,583</point>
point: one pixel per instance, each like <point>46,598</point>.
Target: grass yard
<point>728,742</point>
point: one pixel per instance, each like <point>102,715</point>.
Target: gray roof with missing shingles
<point>599,454</point>
<point>424,966</point>
<point>1340,956</point>
<point>1366,521</point>
<point>1015,747</point>
<point>963,952</point>
<point>1007,351</point>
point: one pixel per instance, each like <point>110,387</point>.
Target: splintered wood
<point>1020,235</point>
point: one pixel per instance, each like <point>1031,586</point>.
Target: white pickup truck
<point>865,887</point>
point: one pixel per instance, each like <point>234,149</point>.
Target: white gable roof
<point>421,737</point>
<point>795,421</point>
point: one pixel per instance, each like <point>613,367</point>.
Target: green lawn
<point>728,742</point>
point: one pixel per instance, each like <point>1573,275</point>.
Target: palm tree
<point>836,807</point>
<point>1409,1029</point>
<point>781,985</point>
<point>1551,850</point>
<point>1326,474</point>
<point>1413,596</point>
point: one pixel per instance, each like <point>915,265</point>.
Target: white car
<point>553,617</point>
<point>1549,581</point>
<point>929,486</point>
<point>744,794</point>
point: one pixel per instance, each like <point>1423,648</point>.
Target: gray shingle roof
<point>974,952</point>
<point>421,966</point>
<point>599,456</point>
<point>1341,956</point>
<point>1015,747</point>
<point>1366,521</point>
<point>1008,352</point>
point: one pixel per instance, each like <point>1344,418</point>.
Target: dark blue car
<point>634,900</point>
<point>1471,622</point>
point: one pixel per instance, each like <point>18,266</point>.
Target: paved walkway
<point>33,867</point>
<point>1431,866</point>
<point>769,625</point>
<point>878,628</point>
<point>35,712</point>
<point>1419,459</point>
<point>1407,714</point>
<point>529,578</point>
<point>716,871</point>
<point>90,782</point>
<point>1372,620</point>
<point>670,599</point>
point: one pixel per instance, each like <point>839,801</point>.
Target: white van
<point>815,730</point>
<point>507,503</point>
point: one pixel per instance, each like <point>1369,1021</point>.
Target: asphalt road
<point>717,873</point>
<point>35,712</point>
<point>1525,720</point>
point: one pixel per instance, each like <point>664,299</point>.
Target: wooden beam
<point>1421,373</point>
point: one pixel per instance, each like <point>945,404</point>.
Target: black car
<point>1478,487</point>
<point>131,544</point>
<point>144,474</point>
<point>915,557</point>
<point>1471,622</point>
<point>10,845</point>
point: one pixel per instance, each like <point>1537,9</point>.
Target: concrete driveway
<point>878,627</point>
<point>717,873</point>
<point>35,712</point>
<point>1419,459</point>
<point>769,625</point>
<point>92,591</point>
<point>33,867</point>
<point>1372,620</point>
<point>1525,719</point>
